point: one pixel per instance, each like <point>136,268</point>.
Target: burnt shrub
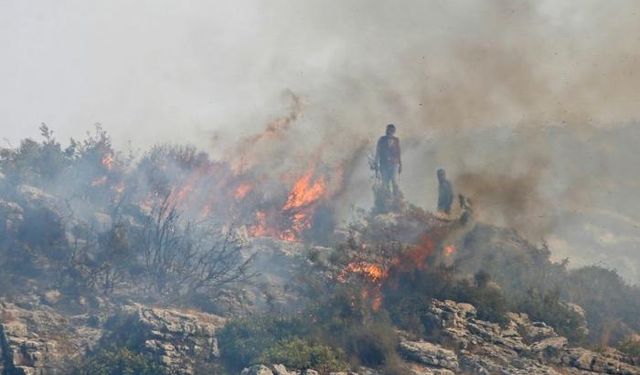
<point>373,345</point>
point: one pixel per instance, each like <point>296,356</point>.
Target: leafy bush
<point>116,361</point>
<point>338,327</point>
<point>546,306</point>
<point>631,347</point>
<point>243,342</point>
<point>487,298</point>
<point>301,354</point>
<point>346,319</point>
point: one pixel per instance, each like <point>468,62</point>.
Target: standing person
<point>388,161</point>
<point>445,192</point>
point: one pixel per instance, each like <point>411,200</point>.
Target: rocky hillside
<point>108,268</point>
<point>35,339</point>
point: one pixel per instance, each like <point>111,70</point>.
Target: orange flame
<point>260,228</point>
<point>373,272</point>
<point>305,192</point>
<point>107,161</point>
<point>449,250</point>
<point>377,302</point>
<point>242,190</point>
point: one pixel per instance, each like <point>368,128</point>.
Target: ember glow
<point>371,271</point>
<point>306,191</point>
<point>107,161</point>
<point>374,274</point>
<point>301,202</point>
<point>449,250</point>
<point>242,190</point>
<point>282,205</point>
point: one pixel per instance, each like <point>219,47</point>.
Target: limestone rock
<point>178,338</point>
<point>280,370</point>
<point>429,354</point>
<point>37,340</point>
<point>256,370</point>
<point>518,347</point>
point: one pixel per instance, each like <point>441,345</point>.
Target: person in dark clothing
<point>445,192</point>
<point>387,160</point>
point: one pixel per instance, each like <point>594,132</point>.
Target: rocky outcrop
<point>429,354</point>
<point>178,339</point>
<point>37,341</point>
<point>518,347</point>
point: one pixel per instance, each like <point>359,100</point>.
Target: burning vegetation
<point>174,227</point>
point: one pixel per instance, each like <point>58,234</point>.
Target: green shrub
<point>546,306</point>
<point>486,297</point>
<point>244,341</point>
<point>301,354</point>
<point>116,361</point>
<point>631,347</point>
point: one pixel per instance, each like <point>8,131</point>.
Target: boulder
<point>429,354</point>
<point>177,337</point>
<point>256,370</point>
<point>35,339</point>
<point>280,370</point>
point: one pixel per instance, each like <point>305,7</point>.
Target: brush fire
<point>285,207</point>
<point>264,240</point>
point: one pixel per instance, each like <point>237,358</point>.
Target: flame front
<point>301,202</point>
<point>107,161</point>
<point>371,271</point>
<point>242,190</point>
<point>306,192</point>
<point>449,250</point>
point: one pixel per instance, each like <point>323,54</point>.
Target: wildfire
<point>373,272</point>
<point>107,161</point>
<point>260,229</point>
<point>242,190</point>
<point>416,256</point>
<point>304,194</point>
<point>182,194</point>
<point>306,191</point>
<point>119,188</point>
<point>449,250</point>
<point>99,181</point>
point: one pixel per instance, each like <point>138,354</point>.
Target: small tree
<point>183,256</point>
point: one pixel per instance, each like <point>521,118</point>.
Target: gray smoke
<point>529,105</point>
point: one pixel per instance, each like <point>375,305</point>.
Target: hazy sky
<point>517,87</point>
<point>147,68</point>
